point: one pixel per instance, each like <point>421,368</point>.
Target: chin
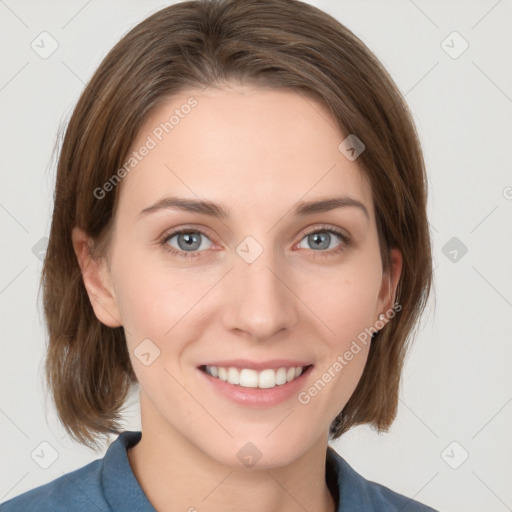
<point>260,451</point>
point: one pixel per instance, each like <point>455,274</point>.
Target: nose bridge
<point>260,302</point>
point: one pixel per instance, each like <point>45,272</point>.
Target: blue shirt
<point>108,484</point>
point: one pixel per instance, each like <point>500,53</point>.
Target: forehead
<point>251,148</point>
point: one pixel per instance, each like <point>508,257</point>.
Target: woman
<point>240,229</point>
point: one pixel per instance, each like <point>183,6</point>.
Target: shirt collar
<point>351,486</point>
<point>121,488</point>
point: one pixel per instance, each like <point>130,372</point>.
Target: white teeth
<point>223,374</point>
<point>249,378</point>
<point>267,379</point>
<point>233,376</point>
<point>281,376</point>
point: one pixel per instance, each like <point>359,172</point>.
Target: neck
<point>176,475</point>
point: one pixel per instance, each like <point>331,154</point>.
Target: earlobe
<point>96,278</point>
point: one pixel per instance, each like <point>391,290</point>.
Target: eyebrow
<point>302,208</point>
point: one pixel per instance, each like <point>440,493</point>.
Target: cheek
<point>345,301</point>
<point>335,380</point>
<point>152,306</point>
<point>147,299</point>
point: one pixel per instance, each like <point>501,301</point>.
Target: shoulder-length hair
<point>282,44</point>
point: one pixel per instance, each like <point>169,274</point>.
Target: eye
<point>187,240</point>
<point>321,239</point>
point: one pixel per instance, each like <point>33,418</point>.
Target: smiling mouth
<point>249,378</point>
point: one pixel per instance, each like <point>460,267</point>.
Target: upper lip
<point>258,365</point>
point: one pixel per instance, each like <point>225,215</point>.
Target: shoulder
<point>79,491</point>
<point>383,498</point>
<point>358,493</point>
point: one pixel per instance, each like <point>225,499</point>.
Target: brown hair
<point>285,44</point>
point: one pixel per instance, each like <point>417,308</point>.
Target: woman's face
<point>265,287</point>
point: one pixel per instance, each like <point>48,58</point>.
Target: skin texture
<point>257,152</point>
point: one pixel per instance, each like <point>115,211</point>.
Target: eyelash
<point>345,242</point>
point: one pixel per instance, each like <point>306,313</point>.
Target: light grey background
<point>457,380</point>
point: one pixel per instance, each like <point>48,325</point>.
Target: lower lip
<point>257,397</point>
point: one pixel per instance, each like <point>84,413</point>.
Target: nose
<point>260,301</point>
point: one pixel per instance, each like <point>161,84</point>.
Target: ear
<point>97,281</point>
<point>390,281</point>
